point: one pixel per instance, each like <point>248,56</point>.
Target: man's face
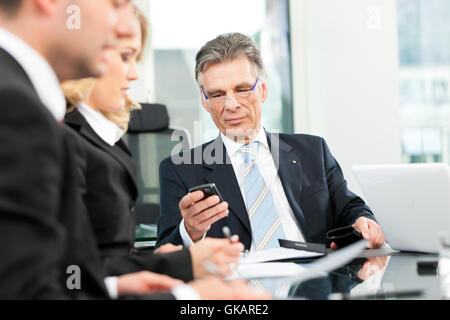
<point>82,49</point>
<point>237,118</point>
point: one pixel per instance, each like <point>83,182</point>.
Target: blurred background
<point>370,76</point>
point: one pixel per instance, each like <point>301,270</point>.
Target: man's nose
<point>231,102</point>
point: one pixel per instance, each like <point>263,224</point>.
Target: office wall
<point>345,74</point>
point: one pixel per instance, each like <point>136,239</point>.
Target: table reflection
<point>396,276</point>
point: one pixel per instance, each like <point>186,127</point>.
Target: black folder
<point>307,246</point>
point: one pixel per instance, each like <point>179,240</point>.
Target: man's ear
<point>47,7</point>
<point>265,91</point>
<point>204,103</point>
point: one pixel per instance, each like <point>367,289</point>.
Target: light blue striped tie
<point>264,220</point>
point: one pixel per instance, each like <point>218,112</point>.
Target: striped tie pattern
<point>264,220</point>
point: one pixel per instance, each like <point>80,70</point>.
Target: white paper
<point>275,254</point>
<point>267,270</point>
<point>331,262</point>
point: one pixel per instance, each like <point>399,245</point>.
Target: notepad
<point>277,254</point>
<point>267,270</point>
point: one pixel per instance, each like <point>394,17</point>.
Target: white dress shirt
<point>267,168</point>
<point>107,130</point>
<point>40,73</point>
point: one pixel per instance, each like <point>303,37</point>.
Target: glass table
<point>375,275</point>
<point>378,274</point>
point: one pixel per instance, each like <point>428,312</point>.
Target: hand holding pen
<point>223,253</point>
<point>228,254</point>
<point>235,238</point>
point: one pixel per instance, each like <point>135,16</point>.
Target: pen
<point>227,233</point>
<point>384,295</point>
<point>213,269</point>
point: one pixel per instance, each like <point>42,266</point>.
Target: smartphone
<point>208,190</point>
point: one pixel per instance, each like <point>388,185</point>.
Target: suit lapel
<point>124,158</point>
<point>290,171</point>
<point>222,174</point>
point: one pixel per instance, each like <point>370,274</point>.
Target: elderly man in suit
<point>273,185</point>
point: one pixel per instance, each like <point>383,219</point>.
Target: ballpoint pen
<point>383,295</point>
<point>227,234</point>
<point>213,269</point>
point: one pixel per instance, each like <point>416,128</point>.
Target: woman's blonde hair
<point>77,91</point>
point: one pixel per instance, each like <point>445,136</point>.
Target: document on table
<point>252,267</point>
<point>267,270</point>
<point>276,254</point>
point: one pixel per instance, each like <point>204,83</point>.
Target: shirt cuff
<point>185,292</point>
<point>111,287</point>
<point>187,241</point>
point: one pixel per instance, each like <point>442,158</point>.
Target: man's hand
<point>200,214</point>
<point>145,282</point>
<point>212,288</point>
<point>221,252</point>
<point>168,248</point>
<point>370,231</point>
<point>372,266</point>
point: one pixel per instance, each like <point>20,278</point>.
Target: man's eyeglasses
<point>220,99</point>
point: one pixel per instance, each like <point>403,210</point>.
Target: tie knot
<point>250,151</point>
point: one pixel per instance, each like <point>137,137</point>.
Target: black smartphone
<point>208,190</point>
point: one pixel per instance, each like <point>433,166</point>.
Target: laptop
<point>411,202</point>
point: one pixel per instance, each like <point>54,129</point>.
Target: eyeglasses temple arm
<point>256,82</point>
<point>203,90</point>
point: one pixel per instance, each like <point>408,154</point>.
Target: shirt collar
<point>107,130</point>
<point>38,70</point>
<point>232,146</point>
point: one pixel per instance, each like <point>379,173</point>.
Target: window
<point>424,52</point>
<point>180,28</point>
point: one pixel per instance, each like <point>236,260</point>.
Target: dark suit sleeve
<point>347,206</point>
<point>175,264</point>
<point>172,190</point>
<point>30,237</point>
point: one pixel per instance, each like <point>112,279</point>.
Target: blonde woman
<point>110,173</point>
<point>98,113</point>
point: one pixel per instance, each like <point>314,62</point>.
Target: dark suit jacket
<point>312,180</point>
<point>31,178</point>
<point>43,228</point>
<point>110,192</point>
<point>82,247</point>
<point>40,233</point>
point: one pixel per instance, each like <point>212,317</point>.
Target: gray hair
<point>227,47</point>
